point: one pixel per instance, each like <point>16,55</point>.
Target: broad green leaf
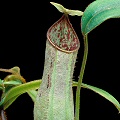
<point>32,94</point>
<point>97,12</point>
<point>2,101</point>
<point>1,81</point>
<point>103,93</point>
<point>1,88</point>
<point>7,85</point>
<point>12,83</point>
<point>1,84</point>
<point>67,11</point>
<point>8,103</point>
<point>15,92</point>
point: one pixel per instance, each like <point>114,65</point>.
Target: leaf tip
<point>67,11</point>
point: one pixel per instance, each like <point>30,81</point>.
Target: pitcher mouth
<point>62,35</point>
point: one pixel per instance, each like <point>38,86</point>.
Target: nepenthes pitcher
<point>55,96</point>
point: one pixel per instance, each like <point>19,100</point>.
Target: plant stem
<point>77,108</point>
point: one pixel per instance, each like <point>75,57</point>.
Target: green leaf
<point>1,81</point>
<point>32,94</point>
<point>97,12</point>
<point>12,83</point>
<point>1,88</point>
<point>67,11</point>
<point>2,101</point>
<point>1,85</point>
<point>101,92</point>
<point>8,103</point>
<point>15,92</point>
<point>104,94</point>
<point>7,85</point>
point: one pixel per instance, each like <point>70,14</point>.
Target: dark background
<point>22,43</point>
